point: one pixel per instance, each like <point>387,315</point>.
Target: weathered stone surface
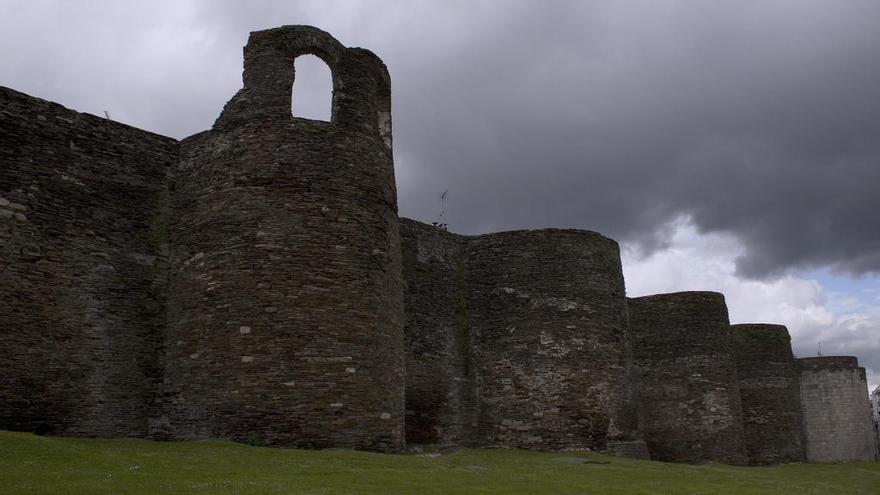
<point>286,269</point>
<point>690,403</point>
<point>80,321</point>
<point>248,283</point>
<point>441,391</point>
<point>837,417</point>
<point>538,319</point>
<point>769,388</point>
<point>552,353</point>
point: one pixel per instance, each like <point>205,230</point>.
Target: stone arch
<point>268,78</point>
<point>361,98</point>
<point>312,92</point>
<point>314,189</point>
<point>269,53</point>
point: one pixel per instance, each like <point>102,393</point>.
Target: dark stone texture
<point>690,403</point>
<point>538,319</point>
<point>553,354</point>
<point>287,323</point>
<point>284,315</point>
<point>769,388</point>
<point>83,220</point>
<point>837,417</point>
<point>250,282</point>
<point>441,393</point>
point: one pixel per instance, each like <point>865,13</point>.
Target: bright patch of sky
<point>848,294</point>
<point>824,312</point>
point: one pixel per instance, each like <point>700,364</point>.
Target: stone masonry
<point>517,339</point>
<point>254,282</point>
<point>683,351</point>
<point>286,263</point>
<point>442,397</point>
<point>769,387</point>
<point>837,418</point>
<point>83,250</point>
<point>552,346</point>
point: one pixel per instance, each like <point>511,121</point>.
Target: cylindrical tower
<point>285,303</point>
<point>552,348</point>
<point>769,387</point>
<point>837,420</point>
<point>689,398</point>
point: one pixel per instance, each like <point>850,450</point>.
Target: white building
<point>875,404</point>
<point>875,411</point>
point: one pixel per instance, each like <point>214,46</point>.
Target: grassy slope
<point>31,464</point>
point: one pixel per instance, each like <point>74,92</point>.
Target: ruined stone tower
<point>285,321</point>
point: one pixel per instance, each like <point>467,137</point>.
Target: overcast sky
<point>728,146</point>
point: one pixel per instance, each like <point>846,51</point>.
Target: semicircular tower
<point>285,303</point>
<point>837,417</point>
<point>552,349</point>
<point>690,403</point>
<point>769,388</point>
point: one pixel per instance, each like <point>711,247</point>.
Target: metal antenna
<point>440,218</point>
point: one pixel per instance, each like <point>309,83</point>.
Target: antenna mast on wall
<point>441,217</point>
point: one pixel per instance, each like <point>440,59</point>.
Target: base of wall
<point>634,449</point>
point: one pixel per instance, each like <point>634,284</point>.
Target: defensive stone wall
<point>538,319</point>
<point>287,323</point>
<point>83,244</point>
<point>769,388</point>
<point>441,391</point>
<point>250,282</point>
<point>837,421</point>
<point>690,403</point>
<point>553,353</point>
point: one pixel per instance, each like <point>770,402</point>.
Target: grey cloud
<point>852,335</point>
<point>756,125</point>
<point>756,118</point>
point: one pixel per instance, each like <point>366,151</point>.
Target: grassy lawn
<point>32,464</point>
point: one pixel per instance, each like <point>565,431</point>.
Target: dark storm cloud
<point>758,119</point>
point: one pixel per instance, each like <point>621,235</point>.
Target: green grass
<point>32,464</point>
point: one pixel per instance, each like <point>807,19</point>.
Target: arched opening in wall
<point>312,96</point>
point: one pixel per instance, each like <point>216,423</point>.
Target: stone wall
<point>250,282</point>
<point>769,387</point>
<point>83,227</point>
<point>287,323</point>
<point>689,399</point>
<point>837,421</point>
<point>552,348</point>
<point>538,320</point>
<point>441,391</point>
